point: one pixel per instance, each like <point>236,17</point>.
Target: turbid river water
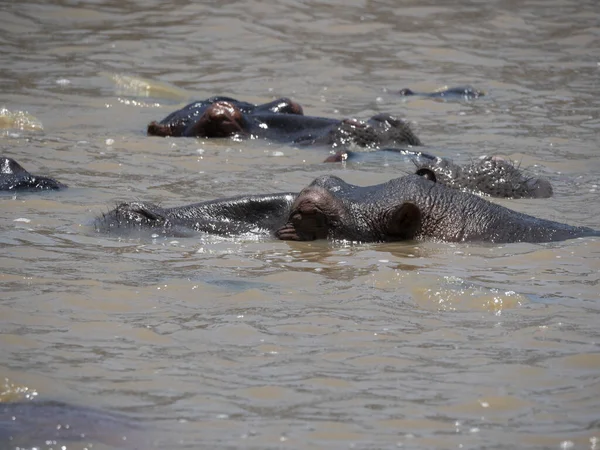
<point>261,344</point>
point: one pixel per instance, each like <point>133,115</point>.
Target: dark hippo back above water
<point>454,93</point>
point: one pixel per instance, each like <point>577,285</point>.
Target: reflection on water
<point>18,121</point>
<point>238,343</point>
<point>133,86</point>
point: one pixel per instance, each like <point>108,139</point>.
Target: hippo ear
<point>426,173</point>
<point>10,166</point>
<point>403,223</point>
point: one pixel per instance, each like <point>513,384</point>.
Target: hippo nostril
<point>428,174</point>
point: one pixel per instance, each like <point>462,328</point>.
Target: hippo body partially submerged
<point>453,93</point>
<point>410,207</point>
<point>13,177</point>
<point>282,120</point>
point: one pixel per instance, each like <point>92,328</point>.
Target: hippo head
<point>406,92</point>
<point>491,175</point>
<point>221,119</point>
<point>321,212</point>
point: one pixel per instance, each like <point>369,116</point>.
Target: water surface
<point>261,344</point>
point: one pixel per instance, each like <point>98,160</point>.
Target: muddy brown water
<point>260,344</point>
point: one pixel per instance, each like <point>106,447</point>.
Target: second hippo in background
<point>281,120</point>
<point>446,93</point>
<point>490,175</point>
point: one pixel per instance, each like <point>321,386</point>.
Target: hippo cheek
<point>402,223</point>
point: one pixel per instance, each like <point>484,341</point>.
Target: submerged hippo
<point>491,175</point>
<point>411,207</point>
<point>282,120</point>
<point>455,93</point>
<point>33,424</point>
<point>14,178</point>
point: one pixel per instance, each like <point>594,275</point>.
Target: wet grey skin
<point>411,207</point>
<point>453,93</point>
<point>30,424</point>
<point>13,178</point>
<point>492,175</point>
<point>282,120</point>
<point>234,216</point>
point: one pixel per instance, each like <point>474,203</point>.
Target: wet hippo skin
<point>13,177</point>
<point>490,175</point>
<point>411,207</point>
<point>281,120</point>
<point>453,93</point>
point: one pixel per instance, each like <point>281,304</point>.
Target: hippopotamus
<point>456,93</point>
<point>490,175</point>
<point>14,178</point>
<point>33,423</point>
<point>412,207</point>
<point>281,120</point>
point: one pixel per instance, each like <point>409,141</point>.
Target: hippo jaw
<point>318,214</point>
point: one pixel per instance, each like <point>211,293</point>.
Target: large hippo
<point>14,178</point>
<point>455,93</point>
<point>411,207</point>
<point>281,120</point>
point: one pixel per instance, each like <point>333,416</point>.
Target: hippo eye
<point>428,174</point>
